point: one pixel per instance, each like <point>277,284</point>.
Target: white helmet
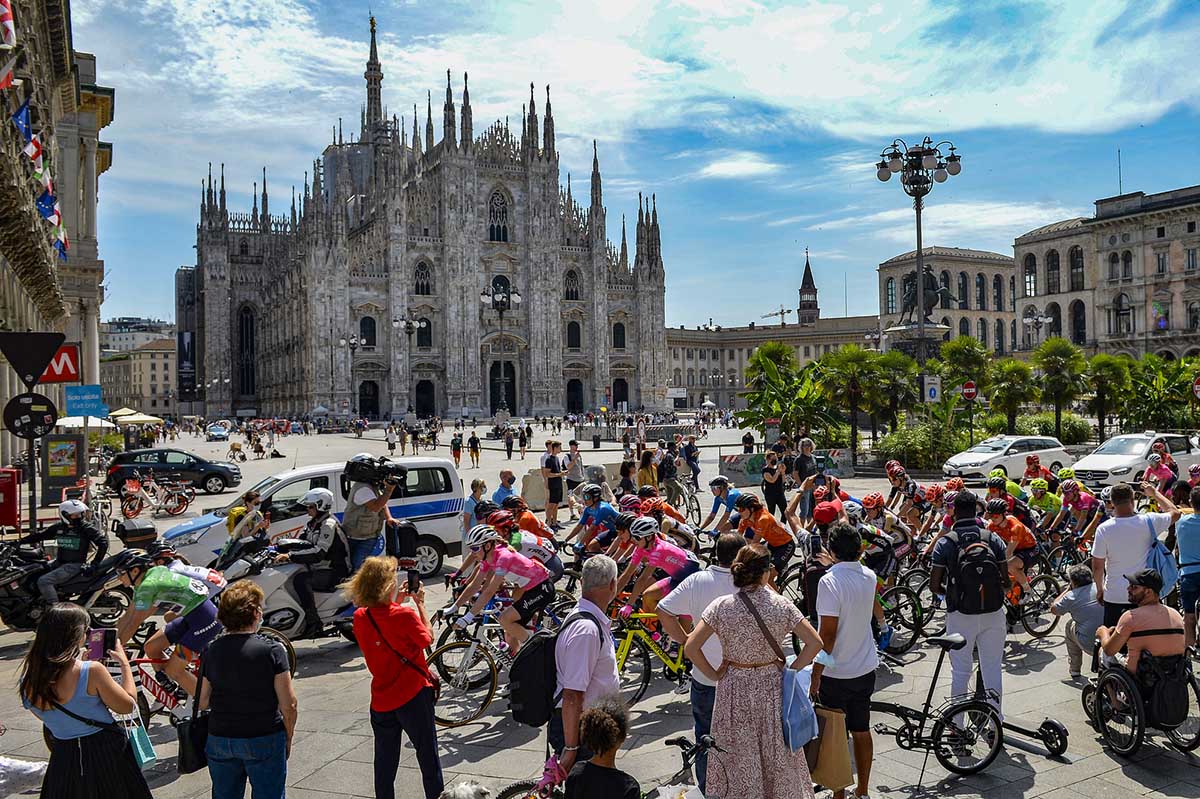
<point>321,497</point>
<point>854,511</point>
<point>71,508</point>
<point>1154,458</point>
<point>644,527</point>
<point>480,534</point>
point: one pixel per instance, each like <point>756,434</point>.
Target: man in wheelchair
<point>1150,627</point>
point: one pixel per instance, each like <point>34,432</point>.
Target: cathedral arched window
<point>618,338</point>
<point>889,296</point>
<point>366,331</point>
<point>424,333</point>
<point>243,247</point>
<point>571,285</point>
<point>245,360</point>
<point>423,279</point>
<point>498,217</point>
<point>574,336</point>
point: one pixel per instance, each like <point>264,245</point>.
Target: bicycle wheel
<point>110,606</point>
<point>902,611</point>
<point>934,611</point>
<point>471,685</point>
<point>1036,617</point>
<point>693,509</point>
<point>1119,712</point>
<point>1186,737</point>
<point>274,635</point>
<point>914,577</point>
<point>634,669</point>
<point>1062,558</point>
<point>527,789</point>
<point>967,736</point>
<point>175,503</point>
<point>131,507</point>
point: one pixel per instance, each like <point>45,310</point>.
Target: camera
<point>375,471</point>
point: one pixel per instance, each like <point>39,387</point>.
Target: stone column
<point>90,325</point>
<point>89,188</point>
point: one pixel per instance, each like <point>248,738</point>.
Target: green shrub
<point>1075,429</point>
<point>835,436</point>
<point>115,441</point>
<point>922,446</point>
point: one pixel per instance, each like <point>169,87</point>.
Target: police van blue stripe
<point>414,510</point>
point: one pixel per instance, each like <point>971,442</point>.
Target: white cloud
<point>792,220</point>
<point>738,165</point>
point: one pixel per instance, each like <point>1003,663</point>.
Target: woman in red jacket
<point>393,637</point>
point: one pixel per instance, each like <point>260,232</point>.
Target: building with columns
<point>1124,280</point>
<point>397,227</point>
<point>67,109</point>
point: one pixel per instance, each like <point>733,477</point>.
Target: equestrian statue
<point>933,294</point>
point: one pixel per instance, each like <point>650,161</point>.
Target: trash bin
<point>595,441</point>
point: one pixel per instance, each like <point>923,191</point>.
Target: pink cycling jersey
<point>1083,503</point>
<point>663,555</point>
<point>515,568</point>
<point>1159,472</point>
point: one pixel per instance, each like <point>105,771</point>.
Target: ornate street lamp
<point>353,342</point>
<point>501,296</point>
<point>920,166</point>
<point>1037,322</point>
<point>408,327</point>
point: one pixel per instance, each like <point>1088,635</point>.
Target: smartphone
<point>100,642</point>
<point>406,553</point>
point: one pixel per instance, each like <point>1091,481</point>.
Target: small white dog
<point>466,790</point>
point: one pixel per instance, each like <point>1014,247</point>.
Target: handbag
<point>828,754</point>
<point>434,681</point>
<point>799,720</point>
<point>129,728</point>
<point>193,734</point>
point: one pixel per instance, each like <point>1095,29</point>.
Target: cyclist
<point>532,588</point>
<point>596,521</point>
<point>912,503</point>
<point>878,555</point>
<point>724,495</point>
<point>1067,473</point>
<point>879,516</point>
<point>1157,473</point>
<point>1194,475</point>
<point>1021,547</point>
<point>935,495</point>
<point>657,553</point>
<point>486,507</point>
<point>650,492</point>
<point>524,516</point>
<point>177,587</point>
<point>74,535</point>
<point>326,559</point>
<point>531,545</point>
<point>1080,506</point>
<point>1160,447</point>
<point>1012,488</point>
<point>1035,470</point>
<point>1044,501</point>
<point>657,509</point>
<point>759,524</point>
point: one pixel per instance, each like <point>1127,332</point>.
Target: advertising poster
<point>63,458</point>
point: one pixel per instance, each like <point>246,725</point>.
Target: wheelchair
<point>1118,705</point>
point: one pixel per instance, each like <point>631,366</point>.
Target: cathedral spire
<point>428,121</point>
<point>293,207</point>
<point>373,115</point>
<point>416,143</point>
<point>254,194</point>
<point>597,194</point>
<point>449,133</point>
<point>221,196</point>
<point>532,126</point>
<point>548,128</point>
<point>624,245</point>
<point>467,134</point>
<point>210,201</point>
<point>570,202</point>
<point>639,240</point>
<point>265,214</point>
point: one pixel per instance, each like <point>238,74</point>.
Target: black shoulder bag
<point>193,734</point>
<point>433,678</point>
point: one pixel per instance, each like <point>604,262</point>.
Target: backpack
<point>976,575</point>
<point>534,674</point>
<point>1167,680</point>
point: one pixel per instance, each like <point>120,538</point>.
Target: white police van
<point>431,497</point>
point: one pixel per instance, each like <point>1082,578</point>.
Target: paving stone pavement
<point>333,747</point>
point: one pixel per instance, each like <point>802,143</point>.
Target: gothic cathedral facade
<point>367,298</point>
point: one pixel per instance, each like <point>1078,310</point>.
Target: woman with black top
<point>626,486</point>
<point>772,484</point>
<point>247,685</point>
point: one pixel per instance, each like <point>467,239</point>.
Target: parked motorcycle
<point>97,589</point>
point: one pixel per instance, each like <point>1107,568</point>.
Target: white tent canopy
<point>139,418</point>
<point>77,421</point>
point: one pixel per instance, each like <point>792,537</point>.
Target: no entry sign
<point>969,391</point>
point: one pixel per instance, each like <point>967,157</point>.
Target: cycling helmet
<point>951,496</point>
<point>591,492</point>
<point>896,471</point>
<point>1039,484</point>
<point>854,511</point>
<point>1154,458</point>
<point>1158,446</point>
<point>480,534</point>
<point>820,493</point>
<point>872,500</point>
<point>322,498</point>
<point>654,505</point>
<point>513,503</point>
<point>997,481</point>
<point>1066,473</point>
<point>934,492</point>
<point>1030,460</point>
<point>1106,494</point>
<point>630,504</point>
<point>72,507</point>
<point>746,502</point>
<point>502,520</point>
<point>955,484</point>
<point>1069,487</point>
<point>890,465</point>
<point>645,492</point>
<point>720,481</point>
<point>622,521</point>
<point>645,527</point>
<point>998,472</point>
<point>997,506</point>
<point>135,560</point>
<point>1194,469</point>
<point>485,508</point>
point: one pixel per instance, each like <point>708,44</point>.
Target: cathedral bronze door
<point>574,395</point>
<point>502,386</point>
<point>620,392</point>
<point>368,399</point>
<point>426,404</point>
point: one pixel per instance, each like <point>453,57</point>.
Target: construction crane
<point>781,313</point>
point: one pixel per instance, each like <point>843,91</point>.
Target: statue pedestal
<point>907,338</point>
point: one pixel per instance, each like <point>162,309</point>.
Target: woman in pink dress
<point>746,720</point>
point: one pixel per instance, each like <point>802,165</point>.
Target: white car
<point>1007,453</point>
<point>431,498</point>
<point>1121,458</point>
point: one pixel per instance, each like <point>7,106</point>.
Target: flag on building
<point>45,205</point>
<point>20,118</point>
<point>56,217</point>
<point>61,246</point>
<point>60,241</point>
<point>8,70</point>
<point>34,148</point>
<point>41,171</point>
<point>8,28</point>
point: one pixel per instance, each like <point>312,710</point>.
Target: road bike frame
<point>677,665</point>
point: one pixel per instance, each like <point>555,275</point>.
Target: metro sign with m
<point>64,366</point>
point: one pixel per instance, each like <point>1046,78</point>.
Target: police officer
<point>73,536</point>
<point>327,557</point>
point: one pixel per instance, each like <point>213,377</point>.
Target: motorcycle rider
<point>73,535</point>
<point>367,515</point>
<point>326,559</point>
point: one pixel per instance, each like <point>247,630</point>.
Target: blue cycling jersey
<point>728,501</point>
<point>603,514</point>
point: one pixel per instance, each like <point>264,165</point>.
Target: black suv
<point>212,476</point>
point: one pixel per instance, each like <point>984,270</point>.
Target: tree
<point>776,352</point>
<point>963,359</point>
<point>797,401</point>
<point>1161,393</point>
<point>846,375</point>
<point>1062,366</point>
<point>895,385</point>
<point>1109,379</point>
<point>1011,387</point>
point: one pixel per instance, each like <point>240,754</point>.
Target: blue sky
<point>756,124</point>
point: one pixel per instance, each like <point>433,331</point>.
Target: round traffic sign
<point>969,391</point>
<point>30,415</point>
<point>1196,387</point>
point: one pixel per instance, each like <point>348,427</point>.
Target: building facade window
<point>1030,275</point>
<point>998,293</point>
<point>945,282</point>
<point>1012,337</point>
<point>425,333</point>
<point>618,336</point>
<point>1075,256</point>
<point>1193,315</point>
<point>964,291</point>
<point>964,327</point>
<point>1078,323</point>
<point>1161,263</point>
<point>571,285</point>
<point>981,292</point>
<point>1052,272</point>
<point>1114,266</point>
<point>498,217</point>
<point>246,347</point>
<point>983,332</point>
<point>422,280</point>
<point>889,295</point>
<point>1126,264</point>
<point>1122,316</point>
<point>999,343</point>
<point>366,331</point>
<point>574,336</point>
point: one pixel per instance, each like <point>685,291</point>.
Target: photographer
<point>367,508</point>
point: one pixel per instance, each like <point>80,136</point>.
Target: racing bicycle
<point>635,644</point>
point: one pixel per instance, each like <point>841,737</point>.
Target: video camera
<point>375,471</point>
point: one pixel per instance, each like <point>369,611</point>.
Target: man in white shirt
<point>1122,543</point>
<point>683,606</point>
<point>846,681</point>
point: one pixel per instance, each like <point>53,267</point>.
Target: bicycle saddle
<point>950,641</point>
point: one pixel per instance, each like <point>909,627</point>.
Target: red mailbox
<point>10,498</point>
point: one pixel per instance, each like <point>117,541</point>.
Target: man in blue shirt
<point>723,494</point>
<point>597,522</point>
<point>505,489</point>
<point>1187,536</point>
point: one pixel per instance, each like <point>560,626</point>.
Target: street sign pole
<point>32,466</point>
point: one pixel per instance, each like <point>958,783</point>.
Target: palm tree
<point>797,401</point>
<point>1108,377</point>
<point>847,374</point>
<point>895,385</point>
<point>1011,388</point>
<point>1161,392</point>
<point>1062,366</point>
<point>963,359</point>
<point>775,352</point>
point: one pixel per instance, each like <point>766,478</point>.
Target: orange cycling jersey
<point>674,514</point>
<point>766,526</point>
<point>1012,530</point>
<point>531,524</point>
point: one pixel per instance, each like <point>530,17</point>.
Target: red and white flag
<point>8,28</point>
<point>6,71</point>
<point>34,148</point>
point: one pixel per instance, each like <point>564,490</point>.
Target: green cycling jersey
<point>1049,504</point>
<point>178,587</point>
